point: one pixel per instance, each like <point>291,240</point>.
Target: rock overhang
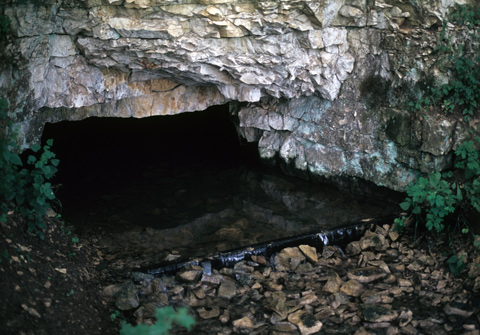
<point>299,65</point>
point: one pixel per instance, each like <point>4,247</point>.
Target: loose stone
<point>371,297</point>
<point>306,323</point>
<point>288,259</point>
<point>353,248</point>
<point>243,323</point>
<point>459,308</point>
<point>402,282</point>
<point>375,241</point>
<point>352,288</point>
<point>227,289</point>
<point>366,274</point>
<point>209,313</point>
<point>284,327</point>
<point>190,274</point>
<point>126,298</point>
<point>333,283</point>
<point>340,298</point>
<point>329,251</point>
<point>377,313</point>
<point>309,252</point>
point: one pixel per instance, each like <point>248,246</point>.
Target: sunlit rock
<point>309,252</point>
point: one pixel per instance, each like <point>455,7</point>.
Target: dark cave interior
<point>99,148</point>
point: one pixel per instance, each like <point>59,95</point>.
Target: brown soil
<point>50,286</point>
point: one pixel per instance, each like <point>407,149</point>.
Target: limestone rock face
<point>308,79</point>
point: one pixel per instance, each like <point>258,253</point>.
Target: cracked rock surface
<point>319,85</point>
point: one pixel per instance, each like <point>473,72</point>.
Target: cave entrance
<point>159,188</point>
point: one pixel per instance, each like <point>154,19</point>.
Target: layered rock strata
<point>312,81</point>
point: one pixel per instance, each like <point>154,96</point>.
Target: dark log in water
<point>339,237</point>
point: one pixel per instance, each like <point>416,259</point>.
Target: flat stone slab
<point>459,308</point>
<point>377,313</point>
<point>309,252</point>
<point>366,274</point>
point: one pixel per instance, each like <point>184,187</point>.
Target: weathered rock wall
<point>317,83</point>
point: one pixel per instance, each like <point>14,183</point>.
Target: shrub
<point>165,316</point>
<point>434,198</point>
<point>25,188</point>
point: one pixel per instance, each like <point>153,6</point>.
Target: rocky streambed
<point>384,283</point>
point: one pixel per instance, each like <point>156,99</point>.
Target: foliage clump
<point>165,316</point>
<point>448,196</point>
<point>25,186</point>
<point>441,194</point>
<point>442,200</point>
<point>462,93</point>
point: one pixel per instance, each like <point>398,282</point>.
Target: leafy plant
<point>469,162</point>
<point>435,196</point>
<point>26,187</point>
<point>165,316</point>
<point>434,199</point>
<point>466,15</point>
<point>462,92</point>
<point>456,264</point>
<point>115,315</point>
<point>431,200</point>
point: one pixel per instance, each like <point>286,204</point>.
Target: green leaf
<point>40,224</point>
<point>20,199</point>
<point>405,205</point>
<point>15,159</point>
<point>49,194</point>
<point>50,142</point>
<point>439,202</point>
<point>41,201</point>
<point>435,179</point>
<point>459,193</point>
<point>31,159</point>
<point>39,179</point>
<point>417,210</point>
<point>36,147</point>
